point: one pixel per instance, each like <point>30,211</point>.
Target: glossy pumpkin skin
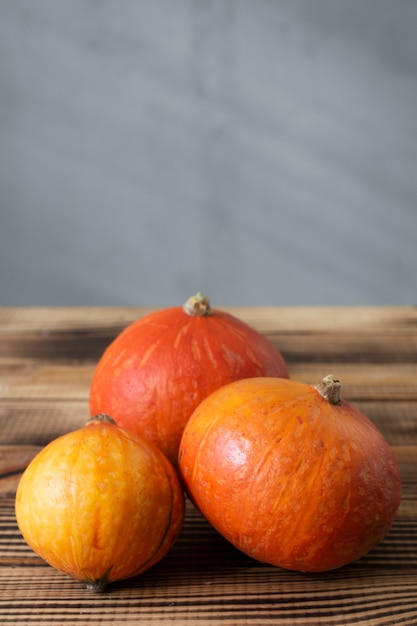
<point>156,372</point>
<point>100,504</point>
<point>287,477</point>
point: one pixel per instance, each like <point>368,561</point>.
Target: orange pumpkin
<point>100,504</point>
<point>155,373</point>
<point>289,473</point>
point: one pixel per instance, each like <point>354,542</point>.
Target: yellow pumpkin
<point>100,504</point>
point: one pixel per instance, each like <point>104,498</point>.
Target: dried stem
<point>329,388</point>
<point>198,306</point>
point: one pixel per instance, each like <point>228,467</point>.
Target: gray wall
<point>261,151</point>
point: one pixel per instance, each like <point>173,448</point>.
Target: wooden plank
<point>216,581</point>
<point>47,357</point>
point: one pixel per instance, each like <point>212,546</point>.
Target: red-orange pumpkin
<point>289,473</point>
<point>154,374</point>
<point>100,504</point>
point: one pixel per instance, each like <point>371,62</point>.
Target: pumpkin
<point>100,504</point>
<point>159,368</point>
<point>289,473</point>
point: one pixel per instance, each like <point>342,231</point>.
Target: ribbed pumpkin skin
<point>155,373</point>
<point>288,478</point>
<point>100,504</point>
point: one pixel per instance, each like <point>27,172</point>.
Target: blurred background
<point>263,152</point>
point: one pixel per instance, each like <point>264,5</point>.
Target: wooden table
<point>47,357</point>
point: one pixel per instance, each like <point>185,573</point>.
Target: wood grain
<point>47,357</point>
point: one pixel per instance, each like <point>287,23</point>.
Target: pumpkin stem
<point>329,388</point>
<point>198,306</point>
<point>101,417</point>
<point>99,585</point>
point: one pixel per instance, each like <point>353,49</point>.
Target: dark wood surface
<point>47,357</point>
